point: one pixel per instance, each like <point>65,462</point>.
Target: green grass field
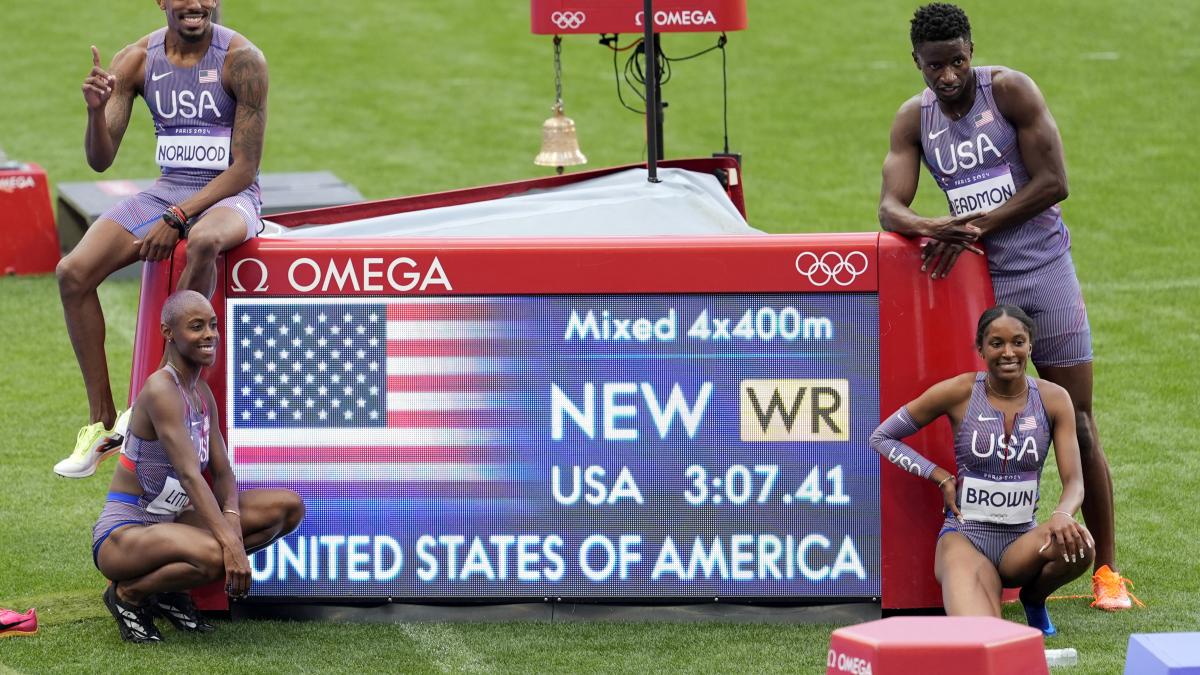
<point>404,98</point>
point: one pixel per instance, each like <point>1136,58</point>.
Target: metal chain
<point>558,70</point>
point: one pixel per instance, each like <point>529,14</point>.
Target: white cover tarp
<point>622,204</point>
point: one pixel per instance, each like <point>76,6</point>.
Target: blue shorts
<point>120,510</point>
<point>137,214</point>
<point>1052,298</point>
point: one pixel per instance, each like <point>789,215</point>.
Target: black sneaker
<point>181,612</point>
<point>133,621</point>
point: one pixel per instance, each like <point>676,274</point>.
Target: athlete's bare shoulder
<point>137,50</point>
<point>960,386</point>
<point>1001,75</point>
<point>1053,393</point>
<point>245,70</point>
<point>953,391</point>
<point>159,384</point>
<point>908,119</point>
<point>1014,90</point>
<point>129,64</point>
<point>910,108</point>
<point>242,50</point>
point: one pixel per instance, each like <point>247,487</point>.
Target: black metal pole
<point>659,105</point>
<point>653,112</point>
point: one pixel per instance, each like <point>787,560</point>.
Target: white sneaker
<point>93,445</point>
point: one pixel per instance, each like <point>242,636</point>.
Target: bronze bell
<point>560,145</point>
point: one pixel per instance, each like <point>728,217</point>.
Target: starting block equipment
<point>28,241</point>
<point>929,645</point>
<point>1163,654</point>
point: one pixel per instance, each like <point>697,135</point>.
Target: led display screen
<point>587,446</point>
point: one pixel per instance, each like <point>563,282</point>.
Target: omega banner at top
<point>562,17</point>
<point>622,446</point>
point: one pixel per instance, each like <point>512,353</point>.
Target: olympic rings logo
<point>568,20</point>
<point>831,266</point>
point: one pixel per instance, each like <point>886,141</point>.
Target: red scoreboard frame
<point>926,327</point>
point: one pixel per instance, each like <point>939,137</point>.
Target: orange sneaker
<point>1108,587</point>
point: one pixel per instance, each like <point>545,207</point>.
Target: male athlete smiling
<point>206,87</point>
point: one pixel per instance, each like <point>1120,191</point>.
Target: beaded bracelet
<point>176,218</point>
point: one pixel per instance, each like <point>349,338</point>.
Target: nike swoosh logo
<point>158,76</point>
<point>6,626</point>
<point>933,135</point>
<point>987,419</point>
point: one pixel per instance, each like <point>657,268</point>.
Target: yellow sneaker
<point>1108,587</point>
<point>93,444</point>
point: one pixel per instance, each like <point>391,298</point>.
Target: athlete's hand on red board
<point>953,229</point>
<point>938,257</point>
<point>98,87</point>
<point>237,572</point>
<point>159,243</point>
<point>1070,535</point>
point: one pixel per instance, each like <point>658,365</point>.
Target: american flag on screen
<point>208,76</point>
<point>410,397</point>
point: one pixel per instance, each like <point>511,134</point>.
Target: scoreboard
<point>606,418</point>
<point>586,445</point>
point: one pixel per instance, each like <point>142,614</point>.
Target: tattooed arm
<point>245,76</point>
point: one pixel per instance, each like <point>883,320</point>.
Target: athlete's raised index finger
<point>95,56</point>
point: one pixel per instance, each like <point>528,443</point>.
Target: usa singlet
<point>163,497</point>
<point>977,162</point>
<point>161,492</point>
<point>193,122</point>
<point>998,474</point>
<point>193,114</point>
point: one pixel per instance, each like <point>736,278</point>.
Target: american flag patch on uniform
<point>1027,424</point>
<point>209,76</point>
<point>981,119</point>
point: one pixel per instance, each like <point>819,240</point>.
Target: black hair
<point>937,22</point>
<point>996,312</point>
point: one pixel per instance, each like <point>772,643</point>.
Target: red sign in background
<point>563,17</point>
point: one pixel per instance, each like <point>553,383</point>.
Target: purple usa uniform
<point>977,162</point>
<point>193,122</point>
<point>162,498</point>
<point>998,474</point>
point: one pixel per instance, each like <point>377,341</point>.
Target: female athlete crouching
<point>1003,422</point>
<point>163,530</point>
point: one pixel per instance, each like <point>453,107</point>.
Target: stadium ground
<point>401,98</point>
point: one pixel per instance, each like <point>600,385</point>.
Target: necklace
<point>988,383</point>
<point>192,396</point>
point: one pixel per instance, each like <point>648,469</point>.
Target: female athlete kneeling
<point>1003,423</point>
<point>163,530</point>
